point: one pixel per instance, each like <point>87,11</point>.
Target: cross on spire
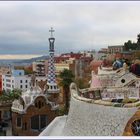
<point>51,30</point>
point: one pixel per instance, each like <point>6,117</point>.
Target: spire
<point>51,82</point>
<point>51,30</point>
<point>51,40</point>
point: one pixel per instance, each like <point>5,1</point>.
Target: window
<point>39,104</point>
<point>20,86</point>
<point>18,121</point>
<point>20,73</point>
<point>20,81</point>
<point>35,104</point>
<point>8,80</point>
<point>43,121</point>
<point>12,81</point>
<point>25,126</point>
<point>26,81</point>
<point>35,122</point>
<point>38,122</point>
<point>8,85</point>
<point>26,86</point>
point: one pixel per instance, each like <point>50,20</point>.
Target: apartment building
<point>18,80</point>
<point>40,67</point>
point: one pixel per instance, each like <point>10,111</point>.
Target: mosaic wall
<point>120,93</point>
<point>85,119</point>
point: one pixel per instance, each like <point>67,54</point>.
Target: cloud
<point>83,25</point>
<point>16,56</point>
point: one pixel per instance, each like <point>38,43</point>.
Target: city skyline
<point>78,26</point>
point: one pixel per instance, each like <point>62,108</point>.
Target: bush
<point>118,105</point>
<point>61,111</point>
<point>129,100</point>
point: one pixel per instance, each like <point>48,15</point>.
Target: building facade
<point>40,67</point>
<point>18,80</point>
<point>32,112</point>
<point>115,49</point>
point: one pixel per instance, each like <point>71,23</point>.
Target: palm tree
<point>66,79</point>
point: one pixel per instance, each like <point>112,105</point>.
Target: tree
<point>138,38</point>
<point>130,46</point>
<point>27,70</point>
<point>138,41</point>
<point>11,95</point>
<point>66,79</point>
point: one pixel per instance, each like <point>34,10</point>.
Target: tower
<point>51,83</point>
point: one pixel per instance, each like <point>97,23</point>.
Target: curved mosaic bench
<point>89,117</point>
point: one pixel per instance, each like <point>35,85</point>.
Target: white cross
<point>51,31</point>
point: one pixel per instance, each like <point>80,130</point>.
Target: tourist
<point>117,64</point>
<point>126,65</point>
<point>135,68</point>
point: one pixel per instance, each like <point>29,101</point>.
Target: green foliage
<point>61,111</point>
<point>118,105</point>
<point>129,100</point>
<point>26,70</point>
<point>138,38</point>
<point>132,46</point>
<point>6,96</point>
<point>67,77</point>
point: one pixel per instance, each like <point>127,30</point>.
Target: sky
<point>78,25</point>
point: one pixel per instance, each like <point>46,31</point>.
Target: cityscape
<point>64,75</point>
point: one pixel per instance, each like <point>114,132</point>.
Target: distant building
<point>59,67</point>
<point>18,80</point>
<point>78,63</point>
<point>40,67</point>
<point>4,69</point>
<point>115,49</point>
<point>95,64</point>
<point>82,67</point>
<point>103,50</point>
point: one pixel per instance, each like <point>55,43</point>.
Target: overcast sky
<point>24,26</point>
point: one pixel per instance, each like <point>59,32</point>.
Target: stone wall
<point>86,119</point>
